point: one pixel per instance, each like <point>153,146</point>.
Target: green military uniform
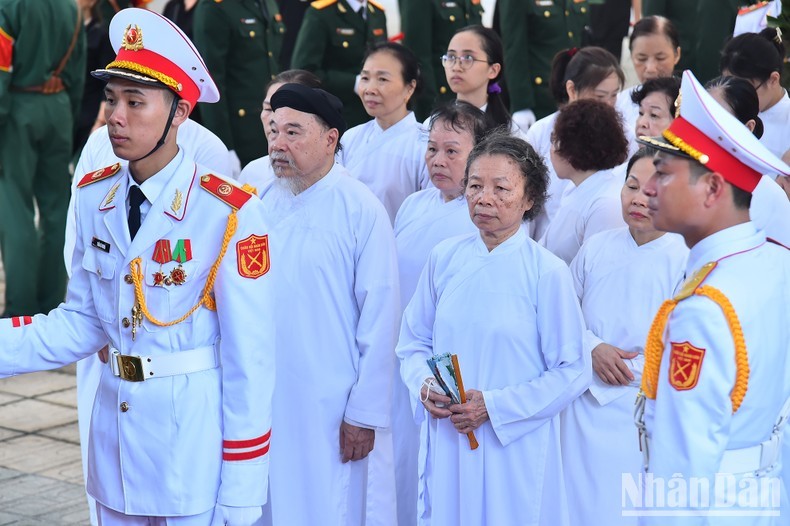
<point>533,31</point>
<point>240,42</point>
<point>716,24</point>
<point>108,8</point>
<point>35,146</point>
<point>428,26</point>
<point>332,42</point>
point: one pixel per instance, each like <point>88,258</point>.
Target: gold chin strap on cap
<point>654,348</point>
<point>206,299</point>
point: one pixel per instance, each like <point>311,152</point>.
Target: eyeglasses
<point>466,61</point>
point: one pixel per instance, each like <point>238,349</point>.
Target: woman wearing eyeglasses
<point>473,65</point>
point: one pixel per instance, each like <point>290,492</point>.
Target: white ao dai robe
<point>621,286</point>
<point>423,221</point>
<point>776,121</point>
<point>336,286</point>
<point>512,317</point>
<point>390,162</point>
<point>591,207</point>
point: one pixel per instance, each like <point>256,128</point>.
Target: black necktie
<point>136,198</point>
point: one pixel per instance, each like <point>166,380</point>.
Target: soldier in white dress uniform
<point>198,143</point>
<point>169,267</point>
<point>717,371</point>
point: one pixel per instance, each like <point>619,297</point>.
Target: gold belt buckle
<point>130,368</point>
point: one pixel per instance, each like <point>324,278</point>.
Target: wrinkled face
<point>655,114</point>
<point>381,86</point>
<point>446,156</point>
<point>136,115</point>
<point>495,195</point>
<point>298,144</point>
<point>266,112</point>
<point>633,198</point>
<point>476,77</point>
<point>606,91</point>
<point>674,201</point>
<point>653,56</point>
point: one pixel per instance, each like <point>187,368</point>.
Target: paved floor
<point>40,469</point>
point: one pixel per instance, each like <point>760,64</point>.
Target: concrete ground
<point>40,469</point>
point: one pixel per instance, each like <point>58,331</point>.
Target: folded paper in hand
<point>442,368</point>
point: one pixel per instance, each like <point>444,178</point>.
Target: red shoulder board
<point>98,175</point>
<point>6,51</point>
<point>223,190</point>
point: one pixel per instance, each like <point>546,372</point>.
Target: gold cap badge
<point>132,38</point>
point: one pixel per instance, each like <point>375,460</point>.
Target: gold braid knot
<point>654,348</point>
<point>206,299</point>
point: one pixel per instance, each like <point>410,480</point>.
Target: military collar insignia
<point>107,203</point>
<point>180,200</point>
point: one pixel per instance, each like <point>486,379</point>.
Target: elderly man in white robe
<point>337,290</point>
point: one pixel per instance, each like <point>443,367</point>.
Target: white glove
<point>524,119</point>
<point>234,164</point>
<point>229,516</point>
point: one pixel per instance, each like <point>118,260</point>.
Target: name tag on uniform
<point>544,3</point>
<point>101,245</point>
<point>449,4</point>
<point>345,31</point>
<point>248,21</point>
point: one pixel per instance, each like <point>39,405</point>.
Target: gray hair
<point>530,165</point>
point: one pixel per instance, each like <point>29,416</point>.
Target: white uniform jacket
<point>691,422</point>
<point>173,445</point>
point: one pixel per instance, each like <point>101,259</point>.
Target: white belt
<point>140,368</point>
<point>759,457</point>
<point>750,459</point>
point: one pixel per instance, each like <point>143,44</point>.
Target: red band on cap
<point>719,159</point>
<point>159,64</point>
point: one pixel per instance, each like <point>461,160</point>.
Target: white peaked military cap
<point>153,50</point>
<point>704,131</point>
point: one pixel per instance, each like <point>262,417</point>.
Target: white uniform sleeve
<point>245,309</point>
<point>691,426</point>
<point>68,333</point>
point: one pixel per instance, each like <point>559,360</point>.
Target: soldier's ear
<point>183,109</point>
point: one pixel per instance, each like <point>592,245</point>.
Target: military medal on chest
<point>161,256</point>
<point>182,253</point>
